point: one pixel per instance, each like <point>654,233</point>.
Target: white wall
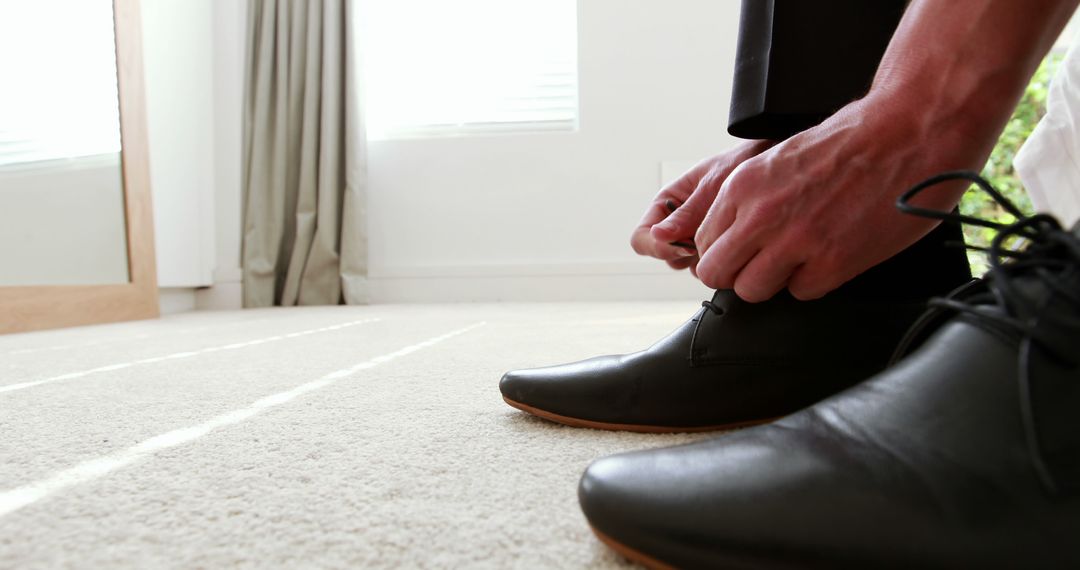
<point>229,31</point>
<point>540,216</point>
<point>530,217</point>
<point>178,57</point>
<point>548,216</point>
<point>193,56</point>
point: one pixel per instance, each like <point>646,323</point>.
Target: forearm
<point>955,69</point>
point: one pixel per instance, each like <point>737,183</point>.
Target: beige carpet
<point>304,438</point>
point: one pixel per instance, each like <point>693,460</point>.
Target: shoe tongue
<point>1053,390</point>
<point>725,299</point>
<point>1048,303</point>
<point>728,300</point>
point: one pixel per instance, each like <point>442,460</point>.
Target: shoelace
<point>1052,256</point>
<point>716,309</point>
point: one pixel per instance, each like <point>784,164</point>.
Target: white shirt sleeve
<point>1049,162</point>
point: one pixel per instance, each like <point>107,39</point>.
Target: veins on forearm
<point>956,68</point>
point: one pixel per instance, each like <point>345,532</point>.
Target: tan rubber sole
<point>631,554</point>
<point>578,422</point>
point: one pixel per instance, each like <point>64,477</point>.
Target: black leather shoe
<point>966,453</point>
<point>735,363</point>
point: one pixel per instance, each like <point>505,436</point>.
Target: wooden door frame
<point>27,308</point>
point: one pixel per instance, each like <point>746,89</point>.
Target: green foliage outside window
<point>999,169</point>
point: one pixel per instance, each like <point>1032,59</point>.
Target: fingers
<point>765,275</point>
<point>721,264</point>
<point>685,219</point>
<point>685,222</point>
<point>644,243</point>
<point>683,263</point>
<point>724,256</point>
<point>682,187</point>
<point>719,219</point>
<point>673,219</point>
<point>678,255</point>
<point>672,196</point>
<point>656,212</point>
<point>725,247</point>
<point>743,180</point>
<point>756,275</point>
<point>815,280</point>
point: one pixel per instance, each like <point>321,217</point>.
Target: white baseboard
<point>172,300</point>
<point>565,269</point>
<point>527,282</point>
<point>575,281</point>
<point>641,287</point>
<point>220,297</point>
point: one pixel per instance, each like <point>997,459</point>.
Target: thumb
<point>683,222</point>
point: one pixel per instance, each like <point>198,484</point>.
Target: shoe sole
<point>580,423</point>
<point>631,554</point>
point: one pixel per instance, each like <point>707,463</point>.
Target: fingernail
<point>685,252</point>
<point>666,225</point>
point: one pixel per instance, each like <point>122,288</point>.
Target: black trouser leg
<point>799,61</point>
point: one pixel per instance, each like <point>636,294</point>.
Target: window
<point>65,105</point>
<point>433,67</point>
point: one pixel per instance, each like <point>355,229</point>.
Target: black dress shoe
<point>735,363</point>
<point>966,453</point>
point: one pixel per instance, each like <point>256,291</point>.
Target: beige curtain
<point>305,240</point>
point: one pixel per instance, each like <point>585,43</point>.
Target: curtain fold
<point>305,240</point>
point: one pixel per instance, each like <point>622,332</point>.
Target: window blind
<point>432,67</point>
<point>60,95</point>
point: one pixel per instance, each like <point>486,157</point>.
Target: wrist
<point>753,147</point>
<point>957,117</point>
<point>934,101</point>
<point>951,81</point>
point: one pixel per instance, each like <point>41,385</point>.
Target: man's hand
<point>818,209</point>
<point>676,212</point>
